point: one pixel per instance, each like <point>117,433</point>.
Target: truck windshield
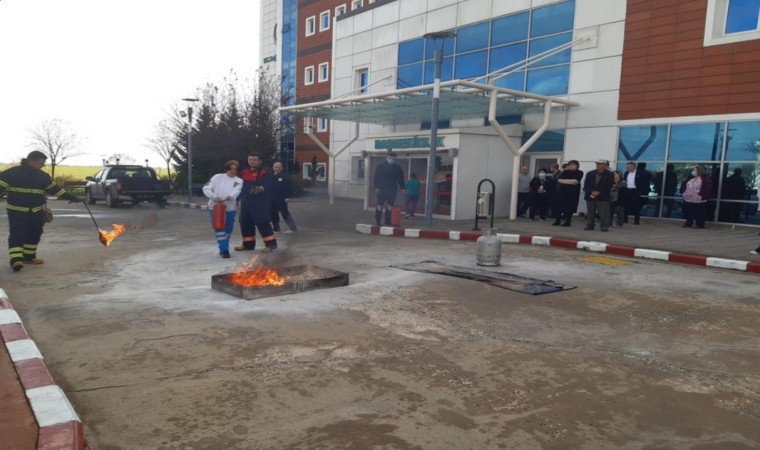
<point>132,173</point>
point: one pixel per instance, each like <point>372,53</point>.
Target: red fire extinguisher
<point>219,216</point>
<point>396,216</point>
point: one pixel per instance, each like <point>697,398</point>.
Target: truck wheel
<point>135,202</point>
<point>162,202</point>
<point>110,201</point>
<point>89,198</point>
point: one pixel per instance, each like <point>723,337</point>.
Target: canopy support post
<point>332,156</point>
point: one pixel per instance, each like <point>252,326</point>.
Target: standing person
<point>637,181</point>
<point>255,206</point>
<point>388,179</point>
<point>224,188</point>
<point>734,188</point>
<point>523,192</point>
<point>697,191</point>
<point>617,199</point>
<point>541,192</point>
<point>412,189</point>
<point>597,195</point>
<point>568,193</point>
<point>554,206</point>
<point>283,190</point>
<point>27,187</point>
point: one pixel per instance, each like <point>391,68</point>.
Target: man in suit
<point>597,195</point>
<point>638,181</point>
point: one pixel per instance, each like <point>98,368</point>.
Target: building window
<point>356,4</point>
<point>308,75</point>
<point>324,72</point>
<point>340,10</point>
<point>731,21</point>
<point>324,20</point>
<point>321,125</point>
<point>311,26</point>
<point>362,81</point>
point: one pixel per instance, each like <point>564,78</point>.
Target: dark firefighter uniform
<point>388,179</point>
<point>27,189</point>
<point>255,208</point>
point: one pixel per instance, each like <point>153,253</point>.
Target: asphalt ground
<point>315,216</point>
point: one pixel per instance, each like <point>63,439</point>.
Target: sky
<point>112,70</point>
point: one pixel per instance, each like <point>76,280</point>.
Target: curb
<point>188,205</point>
<point>601,247</point>
<point>60,427</point>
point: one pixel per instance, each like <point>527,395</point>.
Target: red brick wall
<point>668,72</point>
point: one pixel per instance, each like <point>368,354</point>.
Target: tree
<point>164,142</point>
<point>55,139</point>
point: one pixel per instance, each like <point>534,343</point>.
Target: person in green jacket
<point>412,189</point>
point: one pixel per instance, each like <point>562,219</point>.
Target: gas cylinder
<point>488,248</point>
<point>219,216</point>
<point>396,216</point>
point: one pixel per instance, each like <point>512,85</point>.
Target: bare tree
<point>55,139</point>
<point>164,142</point>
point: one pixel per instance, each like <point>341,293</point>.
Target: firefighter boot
<point>17,264</point>
<point>387,218</point>
<point>245,247</point>
<point>378,216</point>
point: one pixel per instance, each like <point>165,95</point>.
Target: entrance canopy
<point>459,99</point>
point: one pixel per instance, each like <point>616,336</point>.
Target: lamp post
<point>190,101</point>
<point>438,38</point>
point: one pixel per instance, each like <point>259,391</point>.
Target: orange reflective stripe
<point>249,238</point>
<point>269,238</point>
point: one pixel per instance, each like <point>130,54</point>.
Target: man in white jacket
<point>224,188</point>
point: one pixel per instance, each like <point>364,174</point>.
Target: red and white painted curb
<point>60,427</point>
<point>601,247</point>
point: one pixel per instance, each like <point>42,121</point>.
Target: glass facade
<point>728,151</point>
<point>742,16</point>
<point>487,46</point>
<point>287,121</point>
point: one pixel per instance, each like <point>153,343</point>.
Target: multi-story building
<point>668,83</point>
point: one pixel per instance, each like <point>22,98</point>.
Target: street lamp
<point>190,101</point>
<point>439,39</point>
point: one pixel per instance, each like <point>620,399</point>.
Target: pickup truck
<point>121,183</point>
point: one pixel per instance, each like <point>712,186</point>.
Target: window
<point>324,72</point>
<point>324,20</point>
<point>362,81</point>
<point>311,26</point>
<point>321,124</point>
<point>340,10</point>
<point>730,21</point>
<point>356,4</point>
<point>308,75</point>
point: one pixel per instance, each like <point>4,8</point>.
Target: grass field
<point>75,173</point>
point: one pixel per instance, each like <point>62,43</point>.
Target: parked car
<point>122,183</point>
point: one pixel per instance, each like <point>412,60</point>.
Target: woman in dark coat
<point>568,193</point>
<point>541,192</point>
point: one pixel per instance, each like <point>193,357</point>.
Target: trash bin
<point>484,205</point>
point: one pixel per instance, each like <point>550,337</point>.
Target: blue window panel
<point>409,76</point>
<point>474,37</point>
<point>538,46</point>
<point>642,143</point>
<point>411,51</point>
<point>441,124</point>
<point>742,16</point>
<point>695,142</point>
<point>743,142</point>
<point>471,65</point>
<point>509,29</point>
<point>553,19</point>
<point>549,81</point>
<point>446,44</point>
<point>507,55</point>
<point>515,81</point>
<point>447,69</point>
<point>550,141</point>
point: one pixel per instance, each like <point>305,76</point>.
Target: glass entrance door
<point>543,161</point>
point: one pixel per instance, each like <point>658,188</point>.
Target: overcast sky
<point>111,69</point>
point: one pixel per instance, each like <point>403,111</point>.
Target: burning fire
<point>106,237</point>
<point>251,274</point>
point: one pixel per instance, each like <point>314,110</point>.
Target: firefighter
<point>255,206</point>
<point>27,187</point>
<point>388,179</point>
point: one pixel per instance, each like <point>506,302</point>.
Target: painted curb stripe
<point>454,235</point>
<point>688,259</point>
<point>3,294</point>
<point>620,250</point>
<point>34,373</point>
<point>398,232</point>
<point>434,234</point>
<point>564,243</point>
<point>592,246</point>
<point>526,239</point>
<point>9,316</point>
<point>651,254</point>
<point>509,238</point>
<point>13,332</point>
<point>363,228</point>
<point>23,349</point>
<point>753,267</point>
<point>412,233</point>
<point>724,263</point>
<point>69,436</point>
<point>386,231</point>
<point>466,236</point>
<point>4,303</point>
<point>541,240</point>
<point>51,406</point>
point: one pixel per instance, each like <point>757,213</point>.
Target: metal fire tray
<point>297,279</point>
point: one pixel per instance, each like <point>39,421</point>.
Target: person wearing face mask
<point>541,192</point>
<point>388,180</point>
<point>696,192</point>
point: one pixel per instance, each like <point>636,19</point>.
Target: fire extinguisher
<point>219,216</point>
<point>396,216</point>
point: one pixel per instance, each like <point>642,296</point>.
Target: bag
<point>219,216</point>
<point>47,214</point>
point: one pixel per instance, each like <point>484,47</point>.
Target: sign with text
<point>402,143</point>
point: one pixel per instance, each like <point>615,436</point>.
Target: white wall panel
<point>609,42</point>
<point>589,144</point>
<point>386,35</point>
<point>502,7</point>
<point>472,11</point>
<point>599,12</point>
<point>344,27</point>
<point>343,47</point>
<point>596,109</point>
<point>436,4</point>
<point>596,75</point>
<point>362,42</point>
<point>362,22</point>
<point>343,69</point>
<point>412,28</point>
<point>442,19</point>
<point>363,59</point>
<point>409,8</point>
<point>385,14</point>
